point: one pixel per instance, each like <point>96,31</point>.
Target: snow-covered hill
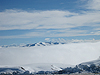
<point>11,70</point>
<point>96,62</point>
<point>42,57</point>
<point>32,68</point>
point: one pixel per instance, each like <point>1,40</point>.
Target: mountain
<point>96,62</point>
<point>42,44</point>
<point>32,68</point>
<point>33,45</point>
<point>92,67</point>
<point>49,43</point>
<point>87,68</point>
<point>11,70</point>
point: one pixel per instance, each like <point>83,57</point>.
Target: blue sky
<point>30,21</point>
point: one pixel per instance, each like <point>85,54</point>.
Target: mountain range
<point>34,44</point>
<point>48,43</point>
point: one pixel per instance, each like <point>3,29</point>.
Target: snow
<point>42,57</point>
<point>96,62</point>
<point>35,67</point>
<point>10,70</point>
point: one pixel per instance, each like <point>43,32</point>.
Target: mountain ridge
<point>48,43</point>
<point>34,44</point>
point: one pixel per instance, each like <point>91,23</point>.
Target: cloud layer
<point>93,4</point>
<point>66,54</point>
<point>18,19</point>
<point>63,22</point>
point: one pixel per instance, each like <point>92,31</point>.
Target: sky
<point>31,21</point>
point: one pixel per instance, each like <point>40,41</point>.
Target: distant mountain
<point>34,44</point>
<point>49,43</point>
<point>6,46</point>
<point>42,44</point>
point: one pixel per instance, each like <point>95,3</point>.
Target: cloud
<point>15,19</point>
<point>53,33</point>
<point>62,22</point>
<point>68,54</point>
<point>93,4</point>
<point>47,39</point>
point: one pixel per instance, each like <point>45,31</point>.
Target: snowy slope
<point>35,67</point>
<point>96,62</point>
<point>11,69</point>
<point>42,57</point>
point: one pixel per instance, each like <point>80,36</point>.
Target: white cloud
<point>53,33</point>
<point>93,4</point>
<point>47,39</point>
<point>67,54</point>
<point>15,19</point>
<point>52,19</point>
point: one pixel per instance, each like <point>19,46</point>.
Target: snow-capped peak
<point>34,44</point>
